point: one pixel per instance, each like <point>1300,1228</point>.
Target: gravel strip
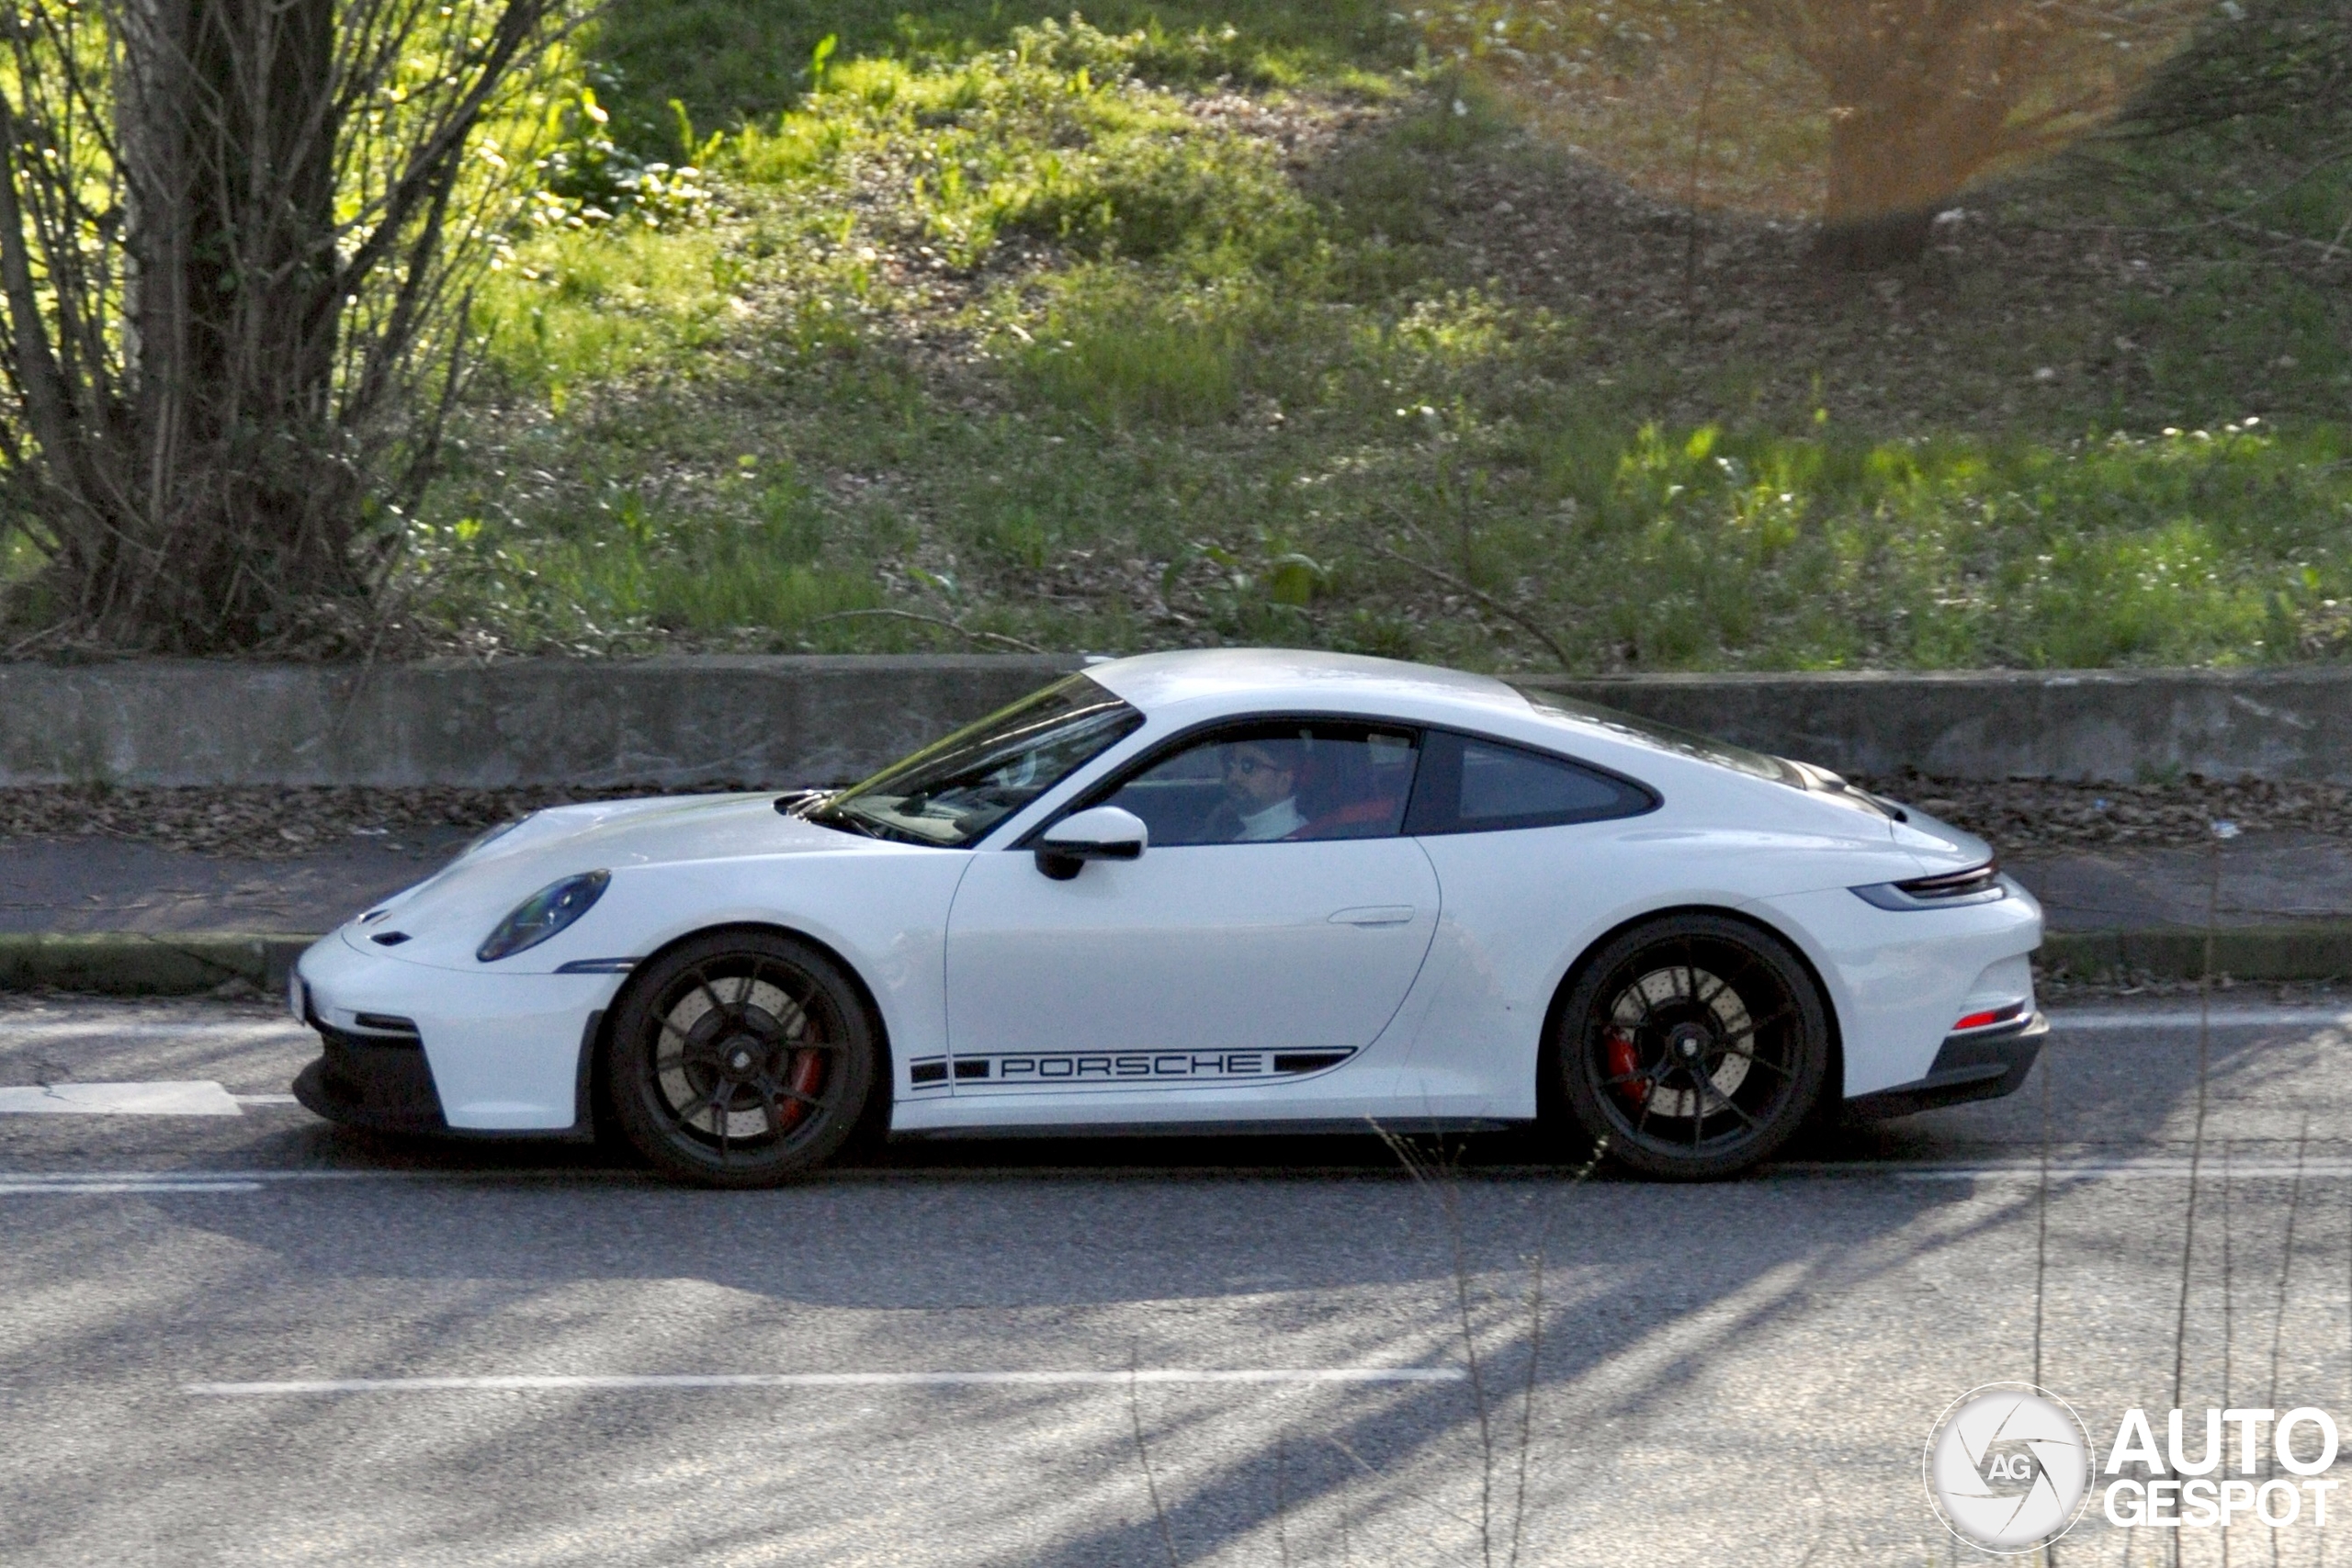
<point>2018,816</point>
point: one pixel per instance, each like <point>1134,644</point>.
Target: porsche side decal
<point>1016,1069</point>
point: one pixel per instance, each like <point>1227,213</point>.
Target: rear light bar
<point>1945,890</point>
<point>2008,1014</point>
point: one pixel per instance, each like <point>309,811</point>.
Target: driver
<point>1261,795</point>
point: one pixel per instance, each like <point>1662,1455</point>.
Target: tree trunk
<point>1873,243</point>
<point>195,410</point>
<point>1875,217</point>
<point>240,505</point>
<point>1919,105</point>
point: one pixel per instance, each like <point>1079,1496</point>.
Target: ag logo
<point>2008,1466</point>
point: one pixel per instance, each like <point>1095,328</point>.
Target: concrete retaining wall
<point>669,721</point>
<point>2107,726</point>
<point>779,721</point>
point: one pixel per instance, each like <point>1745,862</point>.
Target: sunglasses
<point>1251,767</point>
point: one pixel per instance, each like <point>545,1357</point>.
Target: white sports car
<point>1200,892</point>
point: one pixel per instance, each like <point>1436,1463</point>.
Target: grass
<point>1240,326</point>
<point>732,65</point>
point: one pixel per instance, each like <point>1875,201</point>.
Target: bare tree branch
<point>236,237</point>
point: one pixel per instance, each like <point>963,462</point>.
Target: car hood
<point>661,830</point>
<point>480,887</point>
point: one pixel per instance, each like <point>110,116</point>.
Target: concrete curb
<point>2316,949</point>
<point>138,964</point>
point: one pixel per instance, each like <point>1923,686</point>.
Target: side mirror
<point>1105,832</point>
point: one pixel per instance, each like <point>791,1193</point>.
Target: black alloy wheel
<point>741,1059</point>
<point>1696,1045</point>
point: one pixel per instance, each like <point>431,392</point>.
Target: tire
<point>741,1059</point>
<point>1696,1044</point>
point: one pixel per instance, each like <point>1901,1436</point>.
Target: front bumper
<point>1984,1064</point>
<point>379,1083</point>
<point>490,1053</point>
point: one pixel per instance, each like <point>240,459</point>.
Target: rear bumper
<point>1982,1066</point>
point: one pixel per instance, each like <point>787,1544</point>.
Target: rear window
<point>1705,748</point>
<point>1469,784</point>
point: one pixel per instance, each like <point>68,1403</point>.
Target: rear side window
<point>1471,786</point>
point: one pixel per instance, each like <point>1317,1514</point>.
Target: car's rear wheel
<point>741,1059</point>
<point>1696,1045</point>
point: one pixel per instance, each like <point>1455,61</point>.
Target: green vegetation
<point>1221,323</point>
<point>731,64</point>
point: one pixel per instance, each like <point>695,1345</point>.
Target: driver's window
<point>953,792</point>
<point>1265,782</point>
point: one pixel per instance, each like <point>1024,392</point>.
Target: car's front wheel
<point>1696,1045</point>
<point>740,1059</point>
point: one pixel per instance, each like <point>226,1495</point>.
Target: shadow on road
<point>1013,1254</point>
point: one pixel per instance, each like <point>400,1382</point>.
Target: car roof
<point>1207,684</point>
<point>1296,678</point>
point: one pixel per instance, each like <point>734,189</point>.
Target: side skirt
<point>1357,1126</point>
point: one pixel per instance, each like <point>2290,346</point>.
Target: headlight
<point>543,914</point>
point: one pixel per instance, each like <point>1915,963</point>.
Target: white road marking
<point>17,1029</point>
<point>75,1178</point>
<point>2166,1168</point>
<point>2210,1168</point>
<point>530,1384</point>
<point>264,1099</point>
<point>19,1188</point>
<point>200,1097</point>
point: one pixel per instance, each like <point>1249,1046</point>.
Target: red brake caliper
<point>1624,1061</point>
<point>806,1072</point>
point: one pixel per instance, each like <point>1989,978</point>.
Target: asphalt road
<point>992,1353</point>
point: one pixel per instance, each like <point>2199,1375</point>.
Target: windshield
<point>1706,748</point>
<point>952,791</point>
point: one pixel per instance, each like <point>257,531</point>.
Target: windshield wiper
<point>802,803</point>
<point>831,817</point>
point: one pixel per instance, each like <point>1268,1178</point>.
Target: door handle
<point>1375,915</point>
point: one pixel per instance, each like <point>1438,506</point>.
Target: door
<point>1265,937</point>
